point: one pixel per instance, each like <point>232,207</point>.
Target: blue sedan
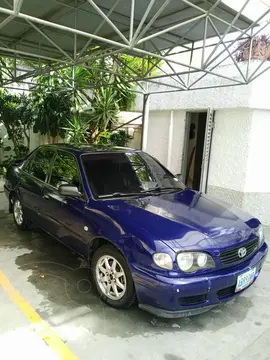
<point>147,238</point>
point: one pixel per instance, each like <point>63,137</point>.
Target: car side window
<point>65,171</point>
<point>39,164</point>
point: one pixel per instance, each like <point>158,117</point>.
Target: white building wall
<point>178,135</point>
<point>253,95</point>
<point>217,98</point>
<point>258,164</point>
<point>257,186</point>
<point>230,145</point>
<point>165,138</point>
<point>158,135</point>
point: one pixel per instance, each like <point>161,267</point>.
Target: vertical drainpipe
<point>170,141</point>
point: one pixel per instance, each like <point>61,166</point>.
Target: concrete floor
<point>48,276</point>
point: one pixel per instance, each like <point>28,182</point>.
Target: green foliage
<point>105,111</point>
<point>123,93</point>
<point>76,130</point>
<point>119,138</point>
<point>51,108</point>
<point>56,106</point>
<point>103,138</point>
<point>16,116</point>
<point>26,116</point>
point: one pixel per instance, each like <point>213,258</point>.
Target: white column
<point>170,141</point>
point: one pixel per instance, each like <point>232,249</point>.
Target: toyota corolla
<point>147,238</point>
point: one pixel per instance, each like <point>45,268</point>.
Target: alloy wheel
<point>111,277</point>
<point>18,212</point>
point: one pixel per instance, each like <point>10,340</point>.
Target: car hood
<point>188,220</point>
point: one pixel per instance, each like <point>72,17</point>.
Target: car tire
<point>112,276</point>
<point>19,217</point>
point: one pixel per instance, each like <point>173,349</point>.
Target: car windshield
<point>127,174</point>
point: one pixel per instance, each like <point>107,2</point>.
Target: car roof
<point>86,148</point>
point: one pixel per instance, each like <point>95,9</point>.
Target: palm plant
<point>59,98</point>
<point>76,130</point>
<point>105,112</point>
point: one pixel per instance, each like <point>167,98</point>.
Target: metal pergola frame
<point>139,33</point>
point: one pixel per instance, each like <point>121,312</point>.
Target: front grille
<point>192,300</point>
<point>226,292</point>
<point>231,256</point>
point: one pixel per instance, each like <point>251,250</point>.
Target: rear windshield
<point>127,173</point>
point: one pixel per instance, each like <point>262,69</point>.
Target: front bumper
<point>179,297</point>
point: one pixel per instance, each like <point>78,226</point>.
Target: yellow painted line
<point>46,333</point>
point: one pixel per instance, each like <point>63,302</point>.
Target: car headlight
<point>260,233</point>
<point>163,261</point>
<point>192,261</point>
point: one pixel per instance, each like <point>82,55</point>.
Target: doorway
<point>197,146</point>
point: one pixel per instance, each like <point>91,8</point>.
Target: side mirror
<point>69,190</point>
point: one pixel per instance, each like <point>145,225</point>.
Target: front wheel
<point>18,214</point>
<point>112,277</point>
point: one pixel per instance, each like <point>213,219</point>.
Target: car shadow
<point>62,278</point>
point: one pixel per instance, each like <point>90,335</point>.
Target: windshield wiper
<point>160,189</point>
<point>155,191</point>
<point>120,194</point>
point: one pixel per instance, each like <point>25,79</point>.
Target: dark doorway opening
<point>195,149</point>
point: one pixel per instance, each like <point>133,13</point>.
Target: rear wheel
<point>18,214</point>
<point>112,277</point>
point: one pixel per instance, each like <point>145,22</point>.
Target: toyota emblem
<point>242,252</point>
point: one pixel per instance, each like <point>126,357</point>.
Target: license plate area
<point>245,279</point>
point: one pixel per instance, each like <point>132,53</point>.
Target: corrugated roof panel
<point>63,12</point>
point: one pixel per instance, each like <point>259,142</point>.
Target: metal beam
<point>64,28</point>
<point>50,40</point>
<point>190,62</point>
<point>266,57</point>
<point>98,29</point>
<point>171,28</point>
<point>222,42</point>
<point>170,66</point>
<point>254,23</point>
<point>149,7</point>
<point>172,76</point>
<point>262,72</point>
<point>249,54</point>
<point>184,65</point>
<point>17,4</point>
<point>145,121</point>
<point>32,55</point>
<point>194,25</point>
<point>105,17</point>
<point>160,10</point>
<point>227,31</point>
<point>225,58</point>
<point>201,88</point>
<point>209,11</point>
<point>131,25</point>
<point>204,39</point>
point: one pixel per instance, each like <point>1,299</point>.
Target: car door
<point>65,215</point>
<point>33,176</point>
